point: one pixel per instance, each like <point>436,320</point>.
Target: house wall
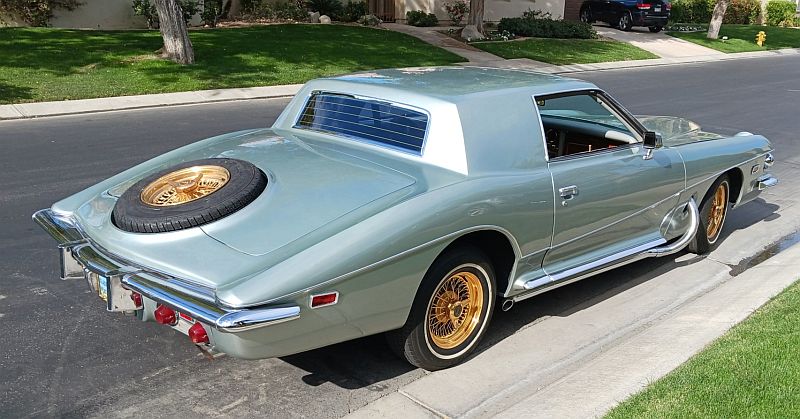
<point>95,14</point>
<point>99,14</point>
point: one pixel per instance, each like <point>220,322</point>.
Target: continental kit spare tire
<point>188,195</point>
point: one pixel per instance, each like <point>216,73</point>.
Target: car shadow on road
<point>368,362</point>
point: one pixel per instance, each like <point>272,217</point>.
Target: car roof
<point>456,81</point>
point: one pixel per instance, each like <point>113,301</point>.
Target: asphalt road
<point>61,354</point>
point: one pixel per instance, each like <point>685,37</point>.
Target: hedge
<point>546,28</point>
<point>782,13</point>
<point>743,12</point>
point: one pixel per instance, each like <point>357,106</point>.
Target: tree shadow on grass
<point>10,93</point>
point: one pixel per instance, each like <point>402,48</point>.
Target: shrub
<point>353,11</point>
<point>420,18</point>
<point>290,11</point>
<point>36,12</point>
<point>781,13</point>
<point>546,28</point>
<point>255,10</point>
<point>691,11</point>
<point>369,20</point>
<point>331,8</point>
<point>743,12</point>
<point>212,9</point>
<point>457,10</point>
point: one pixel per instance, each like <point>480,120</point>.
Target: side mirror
<point>651,142</point>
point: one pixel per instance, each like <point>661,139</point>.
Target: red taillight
<point>197,333</point>
<point>186,317</point>
<point>165,315</point>
<point>137,299</point>
<point>321,300</point>
<point>643,6</point>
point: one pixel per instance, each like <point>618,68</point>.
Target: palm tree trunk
<point>476,14</point>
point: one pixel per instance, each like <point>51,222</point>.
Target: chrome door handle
<point>568,192</point>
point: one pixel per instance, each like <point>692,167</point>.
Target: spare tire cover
<point>188,195</point>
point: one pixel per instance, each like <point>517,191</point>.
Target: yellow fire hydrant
<point>760,38</point>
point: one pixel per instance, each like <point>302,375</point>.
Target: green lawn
<point>565,51</point>
<point>55,64</point>
<point>753,371</point>
<point>743,38</point>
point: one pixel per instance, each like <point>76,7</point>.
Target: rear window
<point>368,120</point>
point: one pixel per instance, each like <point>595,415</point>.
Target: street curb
<point>624,365</point>
<point>73,107</point>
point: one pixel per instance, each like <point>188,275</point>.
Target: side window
<point>581,123</point>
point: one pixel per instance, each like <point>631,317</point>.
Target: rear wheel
<point>625,23</point>
<point>451,311</point>
<point>713,211</point>
<point>655,29</point>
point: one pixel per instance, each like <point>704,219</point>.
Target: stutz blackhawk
<point>406,201</point>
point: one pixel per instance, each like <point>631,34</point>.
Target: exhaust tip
<point>507,304</point>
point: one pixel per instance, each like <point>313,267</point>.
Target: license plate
<point>102,287</point>
<point>657,9</point>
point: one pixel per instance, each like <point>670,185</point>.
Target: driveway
<point>663,45</point>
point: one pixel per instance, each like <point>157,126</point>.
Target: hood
<point>675,131</point>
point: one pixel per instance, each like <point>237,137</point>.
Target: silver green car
<point>407,201</point>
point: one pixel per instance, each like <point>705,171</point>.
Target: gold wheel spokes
<point>716,212</point>
<point>185,185</point>
<point>455,309</point>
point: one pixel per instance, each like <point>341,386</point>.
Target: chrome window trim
<point>367,141</point>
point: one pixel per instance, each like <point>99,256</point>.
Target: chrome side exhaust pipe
<point>507,304</point>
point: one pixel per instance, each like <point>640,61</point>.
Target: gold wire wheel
<point>455,310</point>
<point>185,185</point>
<point>716,211</point>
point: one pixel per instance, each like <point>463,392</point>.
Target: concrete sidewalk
<point>660,44</point>
<point>542,371</point>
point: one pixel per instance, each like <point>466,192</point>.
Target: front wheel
<point>713,211</point>
<point>655,29</point>
<point>586,15</point>
<point>451,311</point>
<point>625,23</point>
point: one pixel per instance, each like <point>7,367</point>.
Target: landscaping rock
<point>470,33</point>
<point>313,17</point>
<point>324,19</point>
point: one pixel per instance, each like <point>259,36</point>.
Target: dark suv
<point>625,14</point>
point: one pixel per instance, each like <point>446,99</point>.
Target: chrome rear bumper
<point>81,258</point>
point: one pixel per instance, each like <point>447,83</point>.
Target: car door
<point>608,197</point>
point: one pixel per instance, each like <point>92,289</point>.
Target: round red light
<point>137,299</point>
<point>197,333</point>
<point>165,315</point>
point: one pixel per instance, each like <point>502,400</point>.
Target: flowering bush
<point>457,10</point>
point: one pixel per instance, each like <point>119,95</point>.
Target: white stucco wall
<point>494,10</point>
<point>97,14</point>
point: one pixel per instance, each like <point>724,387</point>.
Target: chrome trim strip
<point>694,224</point>
<point>651,249</point>
<point>194,301</point>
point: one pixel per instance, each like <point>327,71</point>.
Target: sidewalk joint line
<point>423,405</point>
